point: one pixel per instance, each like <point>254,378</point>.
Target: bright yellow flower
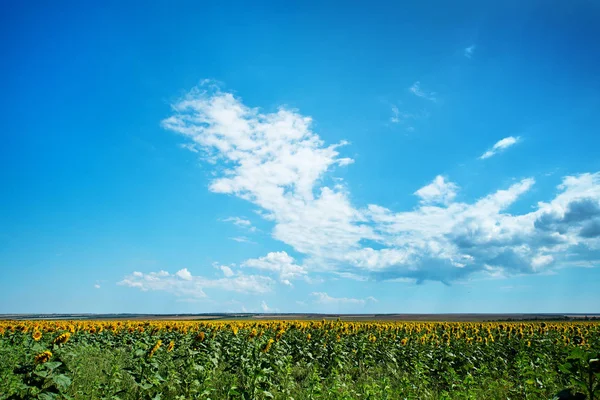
<point>43,357</point>
<point>62,339</point>
<point>268,346</point>
<point>155,348</point>
<point>37,335</point>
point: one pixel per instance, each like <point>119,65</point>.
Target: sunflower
<point>170,346</point>
<point>43,357</point>
<point>62,339</point>
<point>253,334</point>
<point>37,335</point>
<point>155,348</point>
<point>200,337</point>
<point>268,346</point>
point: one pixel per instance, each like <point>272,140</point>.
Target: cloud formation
<point>419,92</point>
<point>500,145</point>
<point>184,284</point>
<point>241,222</point>
<point>279,263</point>
<point>242,239</point>
<point>439,191</point>
<point>395,118</point>
<point>276,162</point>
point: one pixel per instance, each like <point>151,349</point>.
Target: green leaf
<point>38,348</point>
<point>268,394</point>
<point>41,373</point>
<point>566,368</point>
<point>47,396</point>
<point>61,381</point>
<point>52,365</point>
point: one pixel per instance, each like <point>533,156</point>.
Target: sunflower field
<point>298,360</point>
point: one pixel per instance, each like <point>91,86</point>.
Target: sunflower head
<point>200,337</point>
<point>155,348</point>
<point>268,346</point>
<point>62,339</point>
<point>37,335</point>
<point>43,357</point>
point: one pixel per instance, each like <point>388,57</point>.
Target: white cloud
<point>419,92</point>
<point>469,51</point>
<point>541,260</point>
<point>184,274</point>
<point>500,145</point>
<point>242,239</point>
<point>279,263</point>
<point>241,222</point>
<point>438,191</point>
<point>276,162</point>
<point>324,298</point>
<point>189,147</point>
<point>97,286</point>
<point>228,272</point>
<point>184,284</point>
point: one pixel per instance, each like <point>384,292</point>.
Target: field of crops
<point>296,360</point>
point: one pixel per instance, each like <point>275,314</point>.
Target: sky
<point>333,157</point>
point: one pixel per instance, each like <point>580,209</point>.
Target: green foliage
<point>299,360</point>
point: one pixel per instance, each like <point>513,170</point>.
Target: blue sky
<point>308,157</point>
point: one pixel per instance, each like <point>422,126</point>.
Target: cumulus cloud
<point>227,271</point>
<point>500,145</point>
<point>183,283</point>
<point>184,274</point>
<point>276,162</point>
<point>419,92</point>
<point>438,191</point>
<point>279,263</point>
